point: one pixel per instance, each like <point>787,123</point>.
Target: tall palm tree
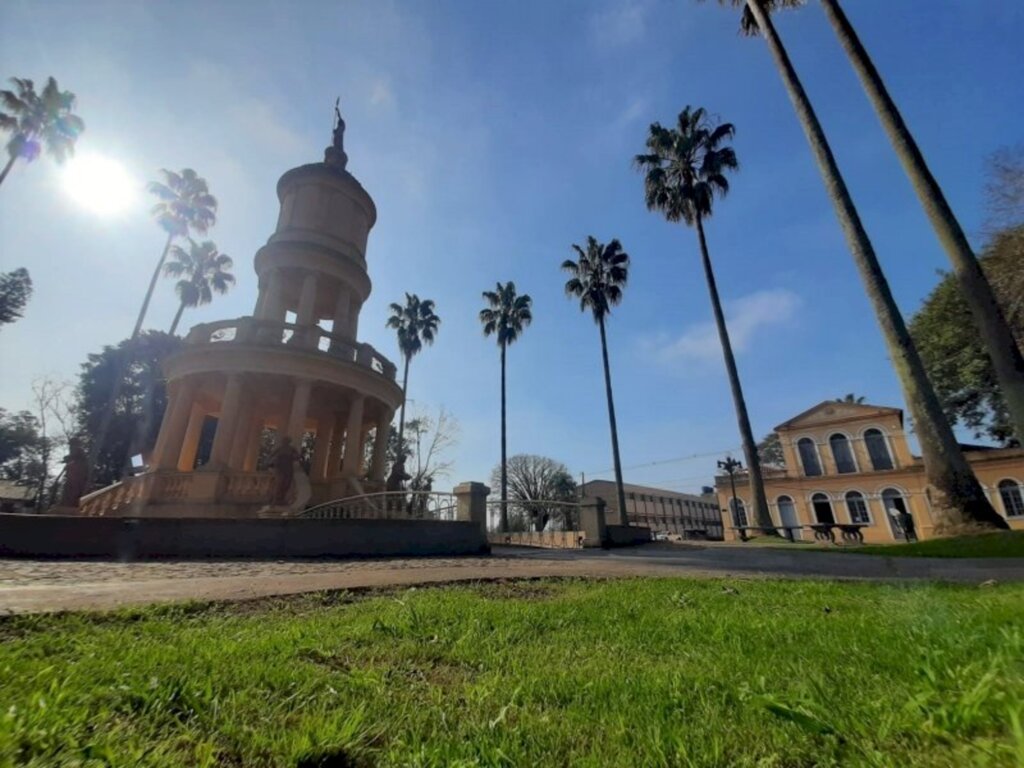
<point>505,316</point>
<point>685,169</point>
<point>414,324</point>
<point>184,205</point>
<point>202,269</point>
<point>995,332</point>
<point>597,278</point>
<point>959,498</point>
<point>35,119</point>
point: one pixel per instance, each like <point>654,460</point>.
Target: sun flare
<point>100,184</point>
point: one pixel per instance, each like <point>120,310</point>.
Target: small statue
<point>76,472</point>
<point>339,128</point>
<point>282,462</point>
<point>397,477</point>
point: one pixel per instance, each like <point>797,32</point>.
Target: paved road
<point>40,586</point>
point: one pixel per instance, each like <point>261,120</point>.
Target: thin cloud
<point>620,24</point>
<point>747,317</point>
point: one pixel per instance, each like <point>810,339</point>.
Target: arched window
<point>809,457</point>
<point>1013,499</point>
<point>787,512</point>
<point>842,453</point>
<point>898,513</point>
<point>857,506</point>
<point>739,513</point>
<point>822,508</point>
<point>878,450</point>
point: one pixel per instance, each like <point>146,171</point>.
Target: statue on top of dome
<point>335,154</point>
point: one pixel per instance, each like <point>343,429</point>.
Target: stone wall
<point>139,538</point>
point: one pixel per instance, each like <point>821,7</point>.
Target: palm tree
<point>38,119</point>
<point>597,279</point>
<point>685,170</point>
<point>184,205</point>
<point>414,323</point>
<point>506,315</point>
<point>202,270</point>
<point>1007,360</point>
<point>959,498</point>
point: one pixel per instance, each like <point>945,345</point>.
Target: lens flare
<point>100,184</point>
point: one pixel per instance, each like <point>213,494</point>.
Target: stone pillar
<point>354,439</point>
<point>270,305</point>
<point>252,447</point>
<point>243,435</point>
<point>337,440</point>
<point>190,445</point>
<point>592,522</point>
<point>227,423</point>
<point>297,414</point>
<point>471,503</point>
<point>172,431</point>
<point>307,300</point>
<point>353,319</point>
<point>341,311</point>
<point>380,446</point>
<point>321,448</point>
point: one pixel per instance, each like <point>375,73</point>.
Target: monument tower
<point>294,366</point>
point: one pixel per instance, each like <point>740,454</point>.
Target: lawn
<point>633,672</point>
<point>1007,544</point>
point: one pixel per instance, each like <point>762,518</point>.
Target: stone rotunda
<point>294,366</point>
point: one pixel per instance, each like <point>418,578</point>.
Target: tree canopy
<point>532,482</point>
<point>15,290</point>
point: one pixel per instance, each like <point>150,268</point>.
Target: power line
<point>667,461</point>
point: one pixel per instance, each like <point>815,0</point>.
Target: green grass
<point>1006,544</point>
<point>638,672</point>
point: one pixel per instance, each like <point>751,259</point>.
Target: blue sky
<point>492,136</point>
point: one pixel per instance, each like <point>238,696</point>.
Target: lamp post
<point>731,465</point>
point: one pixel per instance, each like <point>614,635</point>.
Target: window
<point>809,457</point>
<point>787,512</point>
<point>739,513</point>
<point>843,454</point>
<point>857,506</point>
<point>822,508</point>
<point>898,513</point>
<point>878,450</point>
<point>1013,500</point>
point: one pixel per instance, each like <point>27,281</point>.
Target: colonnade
<point>340,435</point>
<point>272,303</point>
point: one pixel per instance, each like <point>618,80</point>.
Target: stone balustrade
<point>269,333</point>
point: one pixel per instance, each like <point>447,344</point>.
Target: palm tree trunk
<point>619,491</point>
<point>152,287</point>
<point>503,516</point>
<point>401,418</point>
<point>762,516</point>
<point>7,168</point>
<point>108,414</point>
<point>958,499</point>
<point>1007,360</point>
<point>177,318</point>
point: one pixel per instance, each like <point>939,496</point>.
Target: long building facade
<point>660,510</point>
<point>849,463</point>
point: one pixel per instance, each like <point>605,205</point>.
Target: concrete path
<point>28,586</point>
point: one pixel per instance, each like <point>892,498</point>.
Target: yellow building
<point>849,463</point>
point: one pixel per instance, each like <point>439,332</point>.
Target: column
<point>297,414</point>
<point>354,439</point>
<point>380,445</point>
<point>342,307</point>
<point>243,435</point>
<point>471,506</point>
<point>324,426</point>
<point>353,320</point>
<point>252,449</point>
<point>190,445</point>
<point>337,439</point>
<point>269,306</point>
<point>227,423</point>
<point>172,431</point>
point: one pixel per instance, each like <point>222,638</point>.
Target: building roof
<point>831,411</point>
<point>14,492</point>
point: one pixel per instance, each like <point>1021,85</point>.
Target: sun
<point>99,184</point>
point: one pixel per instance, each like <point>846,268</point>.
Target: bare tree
<point>534,482</point>
<point>1005,190</point>
<point>55,411</point>
<point>429,439</point>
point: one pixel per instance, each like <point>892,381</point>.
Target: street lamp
<point>731,465</point>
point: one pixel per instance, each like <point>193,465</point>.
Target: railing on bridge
<point>390,505</point>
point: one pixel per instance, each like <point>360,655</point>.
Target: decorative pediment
<point>831,411</point>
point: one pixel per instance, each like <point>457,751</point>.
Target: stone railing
<point>130,494</point>
<point>312,338</point>
<point>115,499</point>
<point>542,539</point>
<point>558,515</point>
<point>394,505</point>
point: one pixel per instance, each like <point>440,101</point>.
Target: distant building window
<point>822,508</point>
<point>878,450</point>
<point>1013,499</point>
<point>739,513</point>
<point>787,512</point>
<point>843,454</point>
<point>809,457</point>
<point>857,506</point>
